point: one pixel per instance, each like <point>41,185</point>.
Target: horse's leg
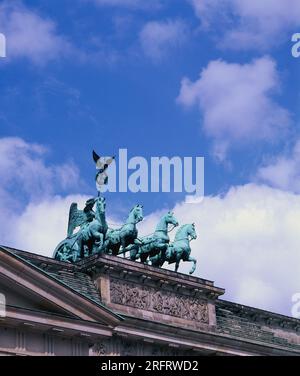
<point>124,239</point>
<point>123,244</point>
<point>144,259</point>
<point>178,258</point>
<point>192,259</point>
<point>140,252</point>
<point>101,243</point>
<point>133,252</point>
<point>96,248</point>
<point>114,250</point>
<point>158,251</point>
<point>177,262</point>
<point>153,260</point>
<point>162,256</point>
<point>105,247</point>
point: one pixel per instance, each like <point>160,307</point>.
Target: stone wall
<point>157,295</point>
<point>27,341</point>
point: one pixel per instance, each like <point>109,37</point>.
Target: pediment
<point>30,288</point>
<point>20,297</point>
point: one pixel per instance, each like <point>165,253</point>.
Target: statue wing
<point>97,160</point>
<point>76,218</point>
<point>95,156</point>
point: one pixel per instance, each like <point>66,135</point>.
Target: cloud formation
<point>35,197</point>
<point>248,243</point>
<point>236,102</point>
<point>158,38</point>
<point>249,25</point>
<point>283,171</point>
<point>31,36</point>
<point>248,239</point>
<point>43,224</point>
<point>23,168</point>
<point>27,184</point>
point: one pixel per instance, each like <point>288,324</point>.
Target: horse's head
<point>191,231</point>
<point>187,232</point>
<point>137,213</point>
<point>169,218</point>
<point>101,204</point>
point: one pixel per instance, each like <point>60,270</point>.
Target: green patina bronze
<point>179,249</point>
<point>125,236</point>
<point>91,234</point>
<point>95,237</point>
<point>155,244</point>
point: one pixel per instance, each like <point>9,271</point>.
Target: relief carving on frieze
<point>100,349</point>
<point>123,347</point>
<point>164,302</point>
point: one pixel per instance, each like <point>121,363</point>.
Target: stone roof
<point>232,319</point>
<point>66,273</point>
<point>80,282</point>
<point>254,324</point>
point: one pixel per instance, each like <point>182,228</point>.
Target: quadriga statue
<point>95,237</point>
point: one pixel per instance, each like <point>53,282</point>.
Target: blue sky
<point>162,78</point>
<point>110,92</point>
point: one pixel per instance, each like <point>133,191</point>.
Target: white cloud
<point>158,38</point>
<point>236,103</point>
<point>248,239</point>
<point>42,225</point>
<point>251,24</point>
<point>283,172</point>
<point>27,194</point>
<point>23,170</point>
<point>29,35</point>
<point>35,198</point>
<point>36,38</point>
<point>248,243</point>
